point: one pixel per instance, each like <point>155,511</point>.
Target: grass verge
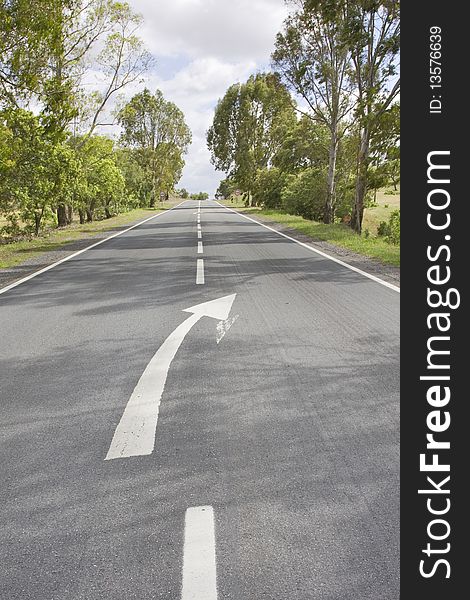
<point>16,253</point>
<point>338,234</point>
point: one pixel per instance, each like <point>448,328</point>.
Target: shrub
<point>394,224</point>
<point>305,194</point>
<point>268,187</point>
<point>391,230</point>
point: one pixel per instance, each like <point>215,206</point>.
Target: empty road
<point>199,408</point>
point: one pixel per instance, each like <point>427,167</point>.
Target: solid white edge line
<point>336,260</point>
<point>200,279</point>
<point>59,262</point>
<point>199,555</point>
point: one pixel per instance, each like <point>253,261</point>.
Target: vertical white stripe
<point>199,562</point>
<point>199,235</point>
<point>200,249</point>
<point>200,272</point>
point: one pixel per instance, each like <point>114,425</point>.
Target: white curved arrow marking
<point>135,433</point>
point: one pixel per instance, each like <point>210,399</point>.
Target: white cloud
<point>236,30</point>
<point>203,46</point>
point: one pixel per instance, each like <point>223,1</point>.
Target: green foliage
<point>35,173</point>
<point>183,193</point>
<point>248,127</point>
<point>305,194</point>
<point>200,196</point>
<point>50,161</point>
<point>391,230</point>
<point>101,188</point>
<point>226,189</point>
<point>268,187</point>
<point>156,132</point>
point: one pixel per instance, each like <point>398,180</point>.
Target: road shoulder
<point>388,273</point>
<point>44,259</point>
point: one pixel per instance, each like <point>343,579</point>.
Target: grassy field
<point>386,204</point>
<point>17,252</point>
<point>340,234</point>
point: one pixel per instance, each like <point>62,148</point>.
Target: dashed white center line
<point>199,235</point>
<point>199,559</point>
<point>200,272</point>
<point>200,249</point>
<point>199,228</point>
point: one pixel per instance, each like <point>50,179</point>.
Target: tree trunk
<point>107,212</point>
<point>361,182</point>
<point>62,215</point>
<point>37,221</point>
<point>329,213</point>
<point>81,214</point>
<point>89,215</point>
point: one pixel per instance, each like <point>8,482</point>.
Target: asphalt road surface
<point>245,450</point>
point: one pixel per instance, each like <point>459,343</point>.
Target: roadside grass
<point>386,204</point>
<point>340,234</point>
<point>15,253</point>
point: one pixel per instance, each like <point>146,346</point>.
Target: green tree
<point>385,148</point>
<point>304,145</point>
<point>102,185</point>
<point>183,193</point>
<point>200,196</point>
<point>36,171</point>
<point>373,37</point>
<point>226,188</point>
<point>305,192</point>
<point>268,187</point>
<point>28,36</point>
<point>156,129</point>
<point>248,127</point>
<point>314,62</point>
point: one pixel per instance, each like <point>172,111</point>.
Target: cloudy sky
<point>201,47</point>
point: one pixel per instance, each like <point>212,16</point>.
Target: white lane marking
<point>199,235</point>
<point>200,249</point>
<point>199,220</point>
<point>224,326</point>
<point>199,559</point>
<point>59,262</point>
<point>336,260</point>
<point>135,433</point>
<point>200,272</point>
<point>199,228</point>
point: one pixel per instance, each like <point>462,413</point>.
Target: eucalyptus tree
<point>156,130</point>
<point>28,38</point>
<point>314,62</point>
<point>248,127</point>
<point>373,36</point>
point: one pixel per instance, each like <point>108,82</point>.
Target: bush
<point>391,230</point>
<point>394,224</point>
<point>305,194</point>
<point>268,187</point>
